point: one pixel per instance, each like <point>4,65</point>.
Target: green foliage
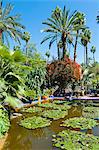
<point>35,122</point>
<point>93,115</point>
<point>90,109</point>
<point>35,78</point>
<point>55,106</point>
<point>13,101</point>
<point>30,93</point>
<point>4,121</point>
<point>10,26</point>
<point>82,123</point>
<point>60,102</point>
<point>73,140</point>
<point>32,109</point>
<point>54,114</point>
<point>90,112</point>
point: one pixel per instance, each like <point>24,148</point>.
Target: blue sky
<point>33,12</point>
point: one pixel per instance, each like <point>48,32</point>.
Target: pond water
<point>20,138</point>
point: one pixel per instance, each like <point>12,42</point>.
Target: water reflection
<point>20,138</point>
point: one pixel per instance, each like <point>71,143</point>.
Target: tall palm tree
<point>93,50</point>
<point>26,38</point>
<point>97,19</point>
<point>80,22</point>
<point>9,24</point>
<point>60,25</point>
<point>85,39</point>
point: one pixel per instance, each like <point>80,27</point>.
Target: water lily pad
<point>54,114</point>
<point>73,140</point>
<point>32,109</point>
<point>34,122</point>
<point>92,115</point>
<point>55,106</point>
<point>90,109</point>
<point>82,123</point>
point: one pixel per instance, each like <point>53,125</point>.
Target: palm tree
<point>9,25</point>
<point>80,22</point>
<point>93,50</point>
<point>60,26</point>
<point>26,38</point>
<point>85,39</point>
<point>97,19</point>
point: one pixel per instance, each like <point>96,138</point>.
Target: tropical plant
<point>9,24</point>
<point>10,77</point>
<point>63,72</point>
<point>34,122</point>
<point>26,38</point>
<point>60,26</point>
<point>82,123</point>
<point>93,50</point>
<point>75,140</point>
<point>85,39</point>
<point>4,121</point>
<point>80,22</point>
<point>97,18</point>
<point>36,77</point>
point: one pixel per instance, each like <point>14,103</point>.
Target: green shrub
<point>4,121</point>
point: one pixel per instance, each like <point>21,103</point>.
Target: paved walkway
<point>86,98</point>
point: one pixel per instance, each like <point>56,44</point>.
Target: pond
<point>20,138</point>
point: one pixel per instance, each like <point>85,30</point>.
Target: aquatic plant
<point>82,123</point>
<point>60,102</point>
<point>32,109</point>
<point>90,109</point>
<point>34,122</point>
<point>55,106</point>
<point>93,115</point>
<point>4,121</point>
<point>74,140</point>
<point>54,114</point>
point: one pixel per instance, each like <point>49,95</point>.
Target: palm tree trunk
<point>58,52</point>
<point>26,48</point>
<point>1,31</point>
<point>75,46</point>
<point>86,55</point>
<point>64,36</point>
<point>93,58</point>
